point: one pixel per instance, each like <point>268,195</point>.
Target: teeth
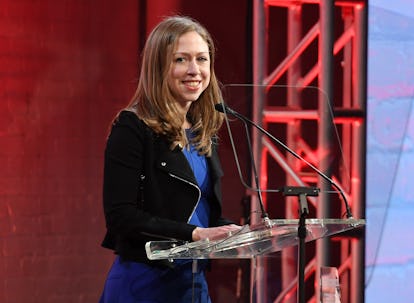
<point>192,83</point>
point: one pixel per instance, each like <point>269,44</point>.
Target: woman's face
<point>189,73</point>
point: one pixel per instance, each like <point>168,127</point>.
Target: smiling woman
<point>178,64</point>
<point>189,74</point>
<point>162,172</point>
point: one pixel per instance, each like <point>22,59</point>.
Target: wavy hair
<point>153,100</point>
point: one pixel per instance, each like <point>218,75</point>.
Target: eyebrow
<point>185,53</point>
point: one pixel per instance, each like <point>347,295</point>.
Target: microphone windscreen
<point>219,107</point>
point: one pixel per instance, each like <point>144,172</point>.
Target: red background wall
<point>66,67</point>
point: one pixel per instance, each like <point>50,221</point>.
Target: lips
<point>192,84</point>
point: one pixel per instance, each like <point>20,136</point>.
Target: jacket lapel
<point>175,162</point>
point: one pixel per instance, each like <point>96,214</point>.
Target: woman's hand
<point>200,233</point>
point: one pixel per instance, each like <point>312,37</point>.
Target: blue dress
<point>132,282</point>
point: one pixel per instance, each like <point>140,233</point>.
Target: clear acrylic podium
<point>255,241</point>
<point>251,241</point>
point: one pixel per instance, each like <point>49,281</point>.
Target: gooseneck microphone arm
<point>221,107</point>
<point>265,216</point>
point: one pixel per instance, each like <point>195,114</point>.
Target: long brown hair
<point>153,101</point>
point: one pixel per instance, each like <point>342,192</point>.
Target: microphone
<point>223,108</point>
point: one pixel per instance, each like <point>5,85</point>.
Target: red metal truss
<point>320,83</point>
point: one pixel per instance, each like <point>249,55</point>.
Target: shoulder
<point>127,129</point>
<point>128,118</point>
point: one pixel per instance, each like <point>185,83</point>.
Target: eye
<point>179,59</point>
<point>202,59</point>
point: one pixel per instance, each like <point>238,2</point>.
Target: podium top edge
<point>350,221</point>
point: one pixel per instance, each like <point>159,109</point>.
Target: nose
<point>193,68</point>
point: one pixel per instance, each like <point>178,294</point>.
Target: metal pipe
<point>325,130</point>
<point>258,264</point>
<point>359,152</point>
<point>292,56</point>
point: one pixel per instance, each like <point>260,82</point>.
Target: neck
<point>186,124</point>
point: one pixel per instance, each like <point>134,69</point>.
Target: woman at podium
<point>161,169</point>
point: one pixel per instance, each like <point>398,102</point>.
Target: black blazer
<point>150,190</point>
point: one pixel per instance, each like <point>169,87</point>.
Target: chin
<point>192,98</point>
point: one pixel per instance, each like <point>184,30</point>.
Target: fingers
<point>196,234</point>
<point>214,233</point>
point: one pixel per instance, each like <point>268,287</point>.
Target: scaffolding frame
<point>352,46</point>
